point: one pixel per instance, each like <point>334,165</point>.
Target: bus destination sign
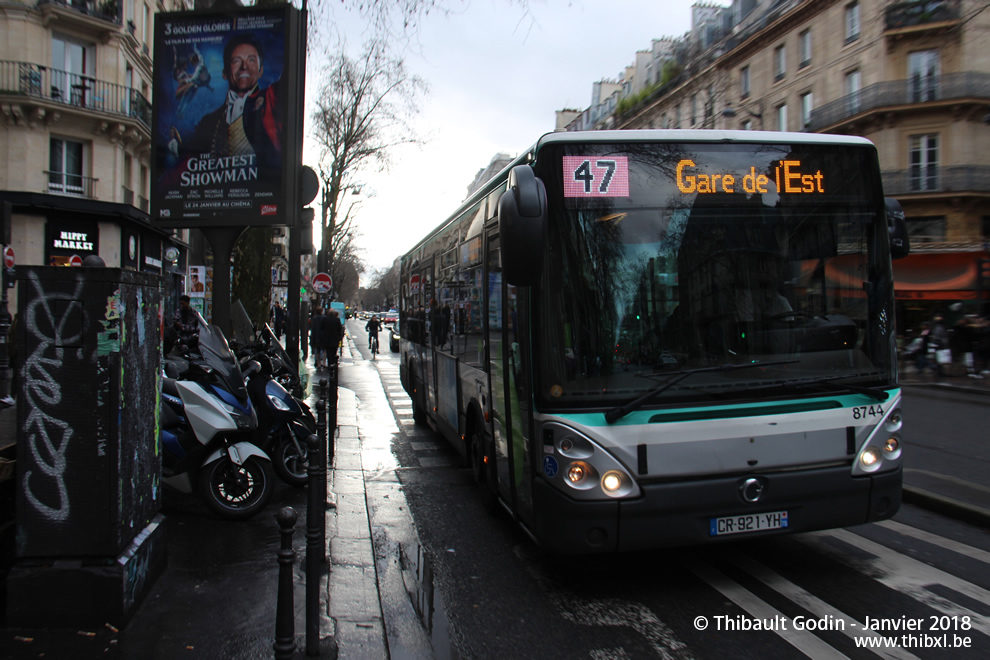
<point>590,176</point>
<point>788,177</point>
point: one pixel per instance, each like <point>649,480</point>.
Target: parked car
<point>393,337</point>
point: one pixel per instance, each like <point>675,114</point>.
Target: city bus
<point>640,339</point>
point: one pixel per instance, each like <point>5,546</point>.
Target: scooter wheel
<point>290,465</point>
<point>237,492</point>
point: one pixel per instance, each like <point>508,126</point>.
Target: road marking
<point>802,640</point>
<point>800,596</point>
<point>951,479</point>
<point>904,574</point>
<point>934,539</point>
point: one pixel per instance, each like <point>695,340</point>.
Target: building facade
<point>912,76</point>
<point>75,135</point>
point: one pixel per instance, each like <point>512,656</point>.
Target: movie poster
<point>219,118</point>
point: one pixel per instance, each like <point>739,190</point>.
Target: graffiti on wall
<point>52,320</point>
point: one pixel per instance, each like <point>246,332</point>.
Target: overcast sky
<point>497,73</point>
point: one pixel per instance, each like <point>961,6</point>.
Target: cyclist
<point>374,326</point>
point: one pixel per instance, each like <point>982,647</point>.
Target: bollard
<point>285,617</point>
<point>316,556</point>
<point>331,400</point>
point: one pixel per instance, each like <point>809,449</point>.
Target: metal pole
<point>6,374</point>
<point>285,617</point>
<point>316,556</point>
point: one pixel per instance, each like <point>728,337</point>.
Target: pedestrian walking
<point>316,337</point>
<point>333,332</point>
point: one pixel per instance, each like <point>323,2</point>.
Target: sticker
<point>594,176</point>
<point>550,466</point>
<point>556,391</point>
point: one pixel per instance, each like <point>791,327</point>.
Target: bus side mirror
<point>900,243</point>
<point>522,227</point>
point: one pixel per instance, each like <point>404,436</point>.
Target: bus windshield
<point>671,257</point>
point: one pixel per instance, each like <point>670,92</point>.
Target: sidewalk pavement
<point>217,598</point>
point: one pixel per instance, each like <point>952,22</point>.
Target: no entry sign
<point>321,283</point>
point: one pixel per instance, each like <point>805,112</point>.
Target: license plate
<point>751,522</point>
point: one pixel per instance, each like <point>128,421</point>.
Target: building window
<point>926,229</point>
<point>923,73</point>
<point>744,82</point>
<point>804,41</point>
<point>779,63</point>
<point>854,81</point>
<point>128,186</point>
<point>852,22</point>
<point>924,163</point>
<point>65,167</point>
<point>146,27</point>
<point>143,197</point>
<point>677,116</point>
<point>747,125</point>
<point>807,104</point>
<point>782,117</point>
<point>72,64</point>
<point>694,109</point>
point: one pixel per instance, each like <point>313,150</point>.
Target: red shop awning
<point>942,276</point>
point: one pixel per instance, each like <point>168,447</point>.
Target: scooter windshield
<point>269,338</point>
<point>216,353</point>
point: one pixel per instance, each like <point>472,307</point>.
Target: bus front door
<point>510,408</point>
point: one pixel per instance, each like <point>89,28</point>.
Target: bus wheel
<point>419,415</point>
<point>480,472</point>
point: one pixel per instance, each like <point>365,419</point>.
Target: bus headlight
<point>892,448</point>
<point>869,460</point>
<point>616,483</point>
<point>581,476</point>
<point>611,482</point>
<point>581,468</point>
<point>894,421</point>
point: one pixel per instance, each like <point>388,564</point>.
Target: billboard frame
<point>195,188</point>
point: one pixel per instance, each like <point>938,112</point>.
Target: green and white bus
<point>641,339</point>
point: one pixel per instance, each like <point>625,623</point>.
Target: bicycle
<point>374,346</point>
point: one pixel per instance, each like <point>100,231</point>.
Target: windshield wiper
<point>879,395</point>
<point>619,412</point>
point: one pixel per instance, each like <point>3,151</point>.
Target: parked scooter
<point>284,423</point>
<point>207,424</point>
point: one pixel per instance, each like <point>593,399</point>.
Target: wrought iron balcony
<point>66,183</point>
<point>926,89</point>
<point>96,18</point>
<point>35,81</point>
<point>921,14</point>
<point>933,180</point>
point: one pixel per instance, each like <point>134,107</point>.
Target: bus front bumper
<point>681,513</point>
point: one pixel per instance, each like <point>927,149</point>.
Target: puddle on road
<point>426,600</point>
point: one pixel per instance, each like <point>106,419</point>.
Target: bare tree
<point>363,112</point>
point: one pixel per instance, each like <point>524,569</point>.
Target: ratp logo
<point>269,209</point>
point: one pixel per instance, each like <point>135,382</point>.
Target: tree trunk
<point>252,283</point>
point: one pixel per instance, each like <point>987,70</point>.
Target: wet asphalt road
<point>482,589</point>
